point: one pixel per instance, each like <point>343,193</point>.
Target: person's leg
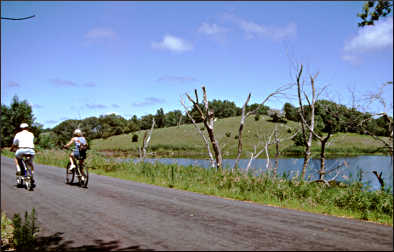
<point>72,161</point>
<point>18,169</point>
<point>18,156</point>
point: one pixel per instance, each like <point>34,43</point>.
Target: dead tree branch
<point>280,91</point>
<point>145,141</point>
<point>207,117</point>
<point>380,178</point>
<point>7,18</point>
<point>211,159</point>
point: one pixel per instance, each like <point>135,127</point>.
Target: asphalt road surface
<point>119,215</point>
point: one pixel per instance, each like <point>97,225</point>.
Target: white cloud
<point>148,101</point>
<point>13,84</point>
<point>96,106</point>
<point>61,82</point>
<point>372,37</point>
<point>101,33</point>
<point>37,106</point>
<point>353,59</point>
<point>172,78</point>
<point>211,29</point>
<point>254,30</point>
<point>173,44</point>
<point>90,84</point>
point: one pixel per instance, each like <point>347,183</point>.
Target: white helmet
<point>24,125</point>
<point>78,132</point>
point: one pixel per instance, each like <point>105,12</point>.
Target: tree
<point>384,120</point>
<point>13,116</point>
<point>146,121</point>
<point>172,118</point>
<point>64,131</point>
<point>306,134</point>
<point>160,118</point>
<point>112,124</point>
<point>373,10</point>
<point>290,112</point>
<point>207,116</point>
<point>280,91</point>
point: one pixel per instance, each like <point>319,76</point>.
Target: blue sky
<point>79,59</point>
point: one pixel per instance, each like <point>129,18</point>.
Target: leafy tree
<point>172,118</point>
<point>277,118</point>
<point>290,112</point>
<point>160,118</point>
<point>146,121</point>
<point>112,124</point>
<point>133,125</point>
<point>373,10</point>
<point>64,131</point>
<point>263,110</point>
<point>13,116</point>
<point>223,109</point>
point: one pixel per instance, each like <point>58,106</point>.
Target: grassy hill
<point>185,141</point>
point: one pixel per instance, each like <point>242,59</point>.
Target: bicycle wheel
<point>19,181</point>
<point>69,174</point>
<point>84,177</point>
<point>29,185</point>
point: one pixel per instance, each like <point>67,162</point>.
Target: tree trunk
<point>214,141</point>
<point>322,156</point>
<point>277,140</point>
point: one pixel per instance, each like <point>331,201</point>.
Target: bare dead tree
<point>380,178</point>
<point>330,181</point>
<point>371,98</point>
<point>267,142</point>
<point>207,116</point>
<point>280,91</point>
<point>145,141</point>
<point>277,141</point>
<point>180,120</point>
<point>201,134</point>
<point>306,136</point>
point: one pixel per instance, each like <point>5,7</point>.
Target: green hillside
<point>185,141</point>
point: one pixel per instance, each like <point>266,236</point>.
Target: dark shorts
<point>80,154</point>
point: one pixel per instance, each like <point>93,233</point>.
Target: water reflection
<point>293,166</point>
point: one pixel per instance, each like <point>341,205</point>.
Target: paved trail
<point>113,213</point>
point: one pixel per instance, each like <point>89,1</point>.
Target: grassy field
<point>185,141</point>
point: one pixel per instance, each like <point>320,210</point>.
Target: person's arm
<point>15,144</point>
<point>13,148</point>
<point>69,143</point>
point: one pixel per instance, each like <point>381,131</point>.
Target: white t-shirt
<point>24,139</point>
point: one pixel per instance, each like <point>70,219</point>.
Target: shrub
<point>25,233</point>
<point>228,134</point>
<point>257,117</point>
<point>134,138</point>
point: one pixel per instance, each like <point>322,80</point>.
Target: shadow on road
<point>56,242</point>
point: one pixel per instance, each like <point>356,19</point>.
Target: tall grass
<point>350,199</point>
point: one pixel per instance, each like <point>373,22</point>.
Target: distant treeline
<point>329,117</point>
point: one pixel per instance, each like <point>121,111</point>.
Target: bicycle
<point>25,180</point>
<point>80,171</point>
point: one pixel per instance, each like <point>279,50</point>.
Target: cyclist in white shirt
<point>24,145</point>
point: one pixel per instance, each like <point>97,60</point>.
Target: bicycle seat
<point>28,155</point>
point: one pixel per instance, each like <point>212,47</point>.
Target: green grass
<point>346,200</point>
<point>7,230</point>
<point>185,141</point>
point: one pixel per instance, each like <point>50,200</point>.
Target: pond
<point>354,166</point>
